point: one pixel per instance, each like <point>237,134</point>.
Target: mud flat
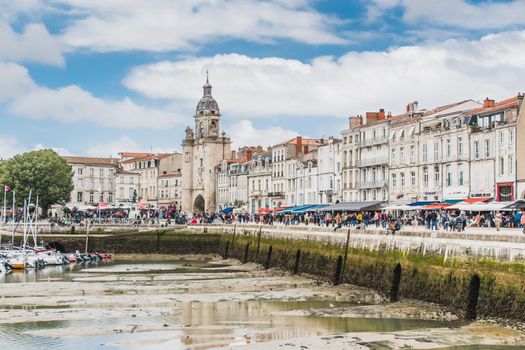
<point>204,302</point>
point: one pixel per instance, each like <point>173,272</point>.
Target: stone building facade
<point>93,181</point>
<point>203,149</point>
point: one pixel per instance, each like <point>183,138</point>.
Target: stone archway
<point>198,204</point>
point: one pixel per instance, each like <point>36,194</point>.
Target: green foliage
<point>44,172</point>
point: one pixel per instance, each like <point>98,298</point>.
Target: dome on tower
<point>207,103</point>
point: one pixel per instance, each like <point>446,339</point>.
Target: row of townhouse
<point>296,172</point>
<point>151,179</point>
<point>465,149</point>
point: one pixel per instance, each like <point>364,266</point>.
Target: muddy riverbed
<point>203,302</point>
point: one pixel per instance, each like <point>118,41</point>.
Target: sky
<point>96,77</point>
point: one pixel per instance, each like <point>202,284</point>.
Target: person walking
<point>497,220</point>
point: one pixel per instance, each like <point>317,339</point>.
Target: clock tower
<point>203,148</point>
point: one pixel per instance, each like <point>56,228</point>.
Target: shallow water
<point>186,325</point>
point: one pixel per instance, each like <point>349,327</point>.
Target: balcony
<point>371,184</point>
<point>372,162</point>
<point>372,142</point>
<point>276,194</point>
<point>257,193</point>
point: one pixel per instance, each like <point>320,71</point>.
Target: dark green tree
<point>44,172</point>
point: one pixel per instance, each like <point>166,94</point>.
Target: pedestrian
<point>497,220</point>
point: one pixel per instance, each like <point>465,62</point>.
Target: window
<point>110,183</point>
<point>511,165</point>
<point>511,136</point>
<point>101,172</point>
<point>413,178</point>
<point>436,151</point>
<point>412,154</point>
<point>476,149</point>
<point>393,156</point>
<point>79,196</point>
<point>460,175</point>
<point>79,171</point>
<point>401,155</point>
<point>502,166</point>
<point>425,152</point>
<point>91,171</point>
<point>394,184</point>
<point>101,197</point>
<point>425,176</point>
<point>449,175</point>
<point>501,138</point>
<point>402,179</point>
<point>460,146</point>
<point>110,198</point>
<point>91,197</point>
<point>437,174</point>
<point>449,148</point>
<point>487,148</point>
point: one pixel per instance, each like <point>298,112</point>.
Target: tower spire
<point>207,86</point>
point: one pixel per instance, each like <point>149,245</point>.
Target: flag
<point>7,188</point>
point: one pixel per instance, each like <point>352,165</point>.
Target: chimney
<point>355,121</point>
<point>408,107</point>
<point>381,114</point>
<point>389,115</point>
<point>249,155</point>
<point>488,103</point>
<point>298,145</point>
<point>234,155</point>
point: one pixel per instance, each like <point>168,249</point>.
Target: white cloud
<point>244,133</point>
<point>121,144</point>
<point>71,104</point>
<point>9,146</point>
<point>34,44</point>
<point>60,150</point>
<point>433,73</point>
<point>165,25</point>
<point>455,13</point>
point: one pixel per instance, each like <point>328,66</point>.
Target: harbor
<point>206,302</point>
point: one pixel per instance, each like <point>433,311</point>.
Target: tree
<point>44,172</point>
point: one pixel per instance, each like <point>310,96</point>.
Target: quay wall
<point>429,278</point>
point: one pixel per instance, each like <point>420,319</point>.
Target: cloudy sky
<point>94,77</point>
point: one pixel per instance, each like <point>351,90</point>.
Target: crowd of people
<point>391,221</point>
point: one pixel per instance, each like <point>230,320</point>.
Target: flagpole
<point>5,200</point>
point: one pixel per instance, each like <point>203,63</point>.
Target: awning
<point>280,208</point>
<point>452,201</point>
<point>312,207</point>
<point>476,200</point>
<point>264,210</point>
<point>316,208</point>
<point>518,205</point>
<point>421,203</point>
<point>293,210</point>
<point>437,205</point>
<point>227,210</point>
<point>354,206</point>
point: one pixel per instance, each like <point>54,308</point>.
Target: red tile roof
<point>134,154</point>
<point>91,160</point>
<point>499,106</point>
<point>149,157</point>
